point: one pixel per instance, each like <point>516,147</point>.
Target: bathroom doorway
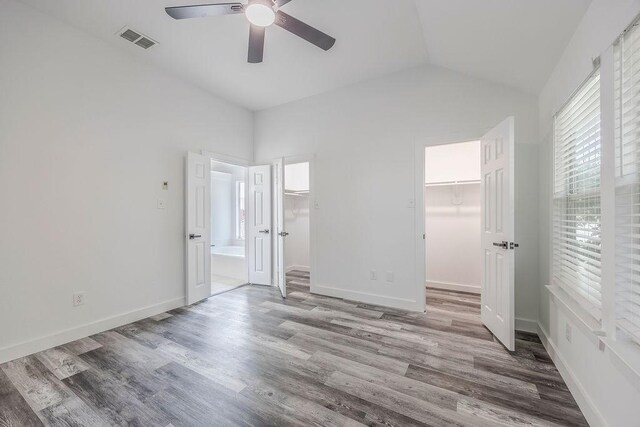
<point>228,226</point>
<point>297,210</point>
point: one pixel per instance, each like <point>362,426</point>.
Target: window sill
<point>625,355</point>
<point>579,315</point>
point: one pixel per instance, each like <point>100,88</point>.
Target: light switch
<point>161,203</point>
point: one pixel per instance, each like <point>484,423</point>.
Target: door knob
<point>264,231</point>
<point>194,236</point>
<point>503,244</point>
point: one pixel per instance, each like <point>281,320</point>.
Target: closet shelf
<point>443,183</point>
<point>301,193</point>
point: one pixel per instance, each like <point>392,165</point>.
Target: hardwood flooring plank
<point>498,395</point>
<point>71,412</point>
<point>412,407</point>
<point>61,363</point>
<point>14,409</point>
<point>37,385</point>
<point>113,400</point>
<point>81,346</point>
<point>312,344</point>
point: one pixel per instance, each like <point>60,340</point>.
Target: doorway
<point>453,219</point>
<point>297,211</point>
<point>444,217</point>
<point>228,214</point>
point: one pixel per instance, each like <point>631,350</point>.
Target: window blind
<point>627,85</point>
<point>576,197</point>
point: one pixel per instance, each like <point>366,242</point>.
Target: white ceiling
<point>515,42</point>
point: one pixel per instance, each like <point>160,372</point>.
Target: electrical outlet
<point>567,331</point>
<point>162,204</point>
<point>374,275</point>
<point>78,299</point>
<point>390,276</point>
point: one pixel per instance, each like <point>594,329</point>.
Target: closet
<point>452,217</point>
<point>296,217</point>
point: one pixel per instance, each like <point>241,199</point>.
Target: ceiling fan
<point>260,14</point>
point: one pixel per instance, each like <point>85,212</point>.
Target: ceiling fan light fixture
<point>260,14</point>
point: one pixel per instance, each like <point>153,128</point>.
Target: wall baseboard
<point>586,405</point>
<point>43,343</point>
<point>458,287</point>
<point>298,267</point>
<point>527,325</point>
<point>368,298</point>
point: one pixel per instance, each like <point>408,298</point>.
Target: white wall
<point>604,392</point>
<point>452,217</point>
<point>365,140</point>
<point>87,136</point>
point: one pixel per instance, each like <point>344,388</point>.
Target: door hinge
<point>513,245</point>
<point>424,237</point>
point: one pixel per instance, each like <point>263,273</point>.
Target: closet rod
<point>443,183</point>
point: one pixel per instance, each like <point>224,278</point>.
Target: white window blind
<point>627,85</point>
<point>576,197</point>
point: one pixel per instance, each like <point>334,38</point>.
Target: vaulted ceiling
<point>513,42</point>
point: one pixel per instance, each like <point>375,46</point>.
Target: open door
<point>278,168</point>
<point>497,299</point>
<point>259,225</point>
<point>198,227</point>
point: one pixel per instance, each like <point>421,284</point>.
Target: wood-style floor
<point>248,357</point>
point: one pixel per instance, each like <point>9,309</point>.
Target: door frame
<point>420,171</point>
<point>306,158</point>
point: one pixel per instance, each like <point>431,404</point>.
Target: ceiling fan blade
<point>256,44</point>
<point>307,32</point>
<point>281,3</point>
<point>204,10</point>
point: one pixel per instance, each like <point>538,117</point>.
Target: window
<point>240,210</point>
<point>627,155</point>
<point>576,197</point>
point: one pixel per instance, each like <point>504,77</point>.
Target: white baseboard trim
<point>527,325</point>
<point>43,343</point>
<point>298,267</point>
<point>458,287</point>
<point>588,408</point>
<point>368,298</point>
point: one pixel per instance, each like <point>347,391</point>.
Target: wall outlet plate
<point>78,299</point>
<point>390,277</point>
<point>162,204</point>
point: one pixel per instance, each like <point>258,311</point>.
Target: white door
<point>497,298</point>
<point>259,227</point>
<point>198,227</point>
<point>278,168</point>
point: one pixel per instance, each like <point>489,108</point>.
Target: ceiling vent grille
<point>136,38</point>
<point>145,43</point>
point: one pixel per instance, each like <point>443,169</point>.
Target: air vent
<point>130,35</point>
<point>145,43</point>
<point>136,38</point>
